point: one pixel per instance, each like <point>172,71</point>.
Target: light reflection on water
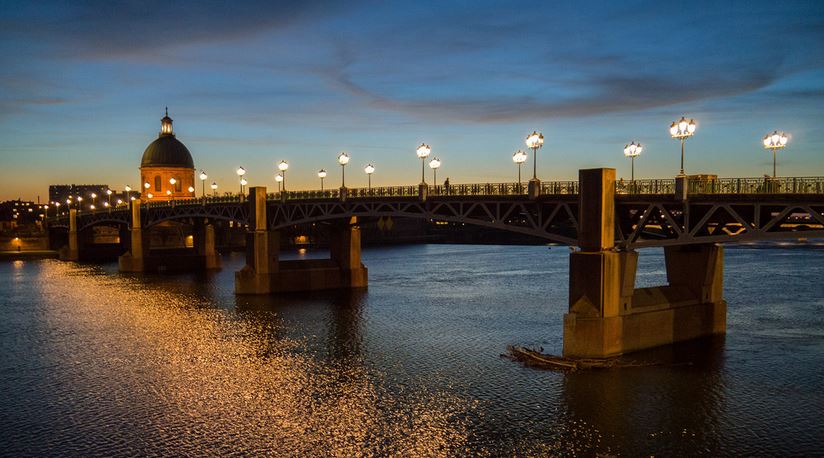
<point>95,362</point>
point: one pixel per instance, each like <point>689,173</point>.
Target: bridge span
<point>604,220</point>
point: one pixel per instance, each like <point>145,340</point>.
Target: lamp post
<point>775,141</point>
<point>170,192</point>
<point>94,200</point>
<point>128,190</point>
<point>146,186</point>
<point>191,190</point>
<point>279,179</point>
<point>214,188</point>
<point>369,169</point>
<point>519,157</point>
<point>243,183</point>
<point>109,199</point>
<point>240,172</point>
<point>282,166</point>
<point>434,164</point>
<point>321,175</point>
<point>682,130</point>
<point>57,209</point>
<point>632,151</point>
<point>534,141</point>
<point>203,177</point>
<point>343,159</point>
<point>422,152</point>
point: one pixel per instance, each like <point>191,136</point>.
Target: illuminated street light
<point>682,130</point>
<point>240,172</point>
<point>279,179</point>
<point>775,141</point>
<point>343,159</point>
<point>519,157</point>
<point>534,141</point>
<point>191,189</point>
<point>169,192</point>
<point>422,152</point>
<point>147,185</point>
<point>128,190</point>
<point>94,199</point>
<point>109,199</point>
<point>434,164</point>
<point>203,177</point>
<point>79,203</point>
<point>282,166</point>
<point>214,188</point>
<point>321,175</point>
<point>369,169</point>
<point>150,195</point>
<point>632,151</point>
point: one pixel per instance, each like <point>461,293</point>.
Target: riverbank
<point>32,254</point>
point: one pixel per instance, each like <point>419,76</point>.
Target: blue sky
<point>83,86</point>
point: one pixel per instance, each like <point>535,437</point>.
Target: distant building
<point>15,213</point>
<point>167,170</point>
<point>61,192</point>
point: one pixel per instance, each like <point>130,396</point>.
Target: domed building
<point>167,170</point>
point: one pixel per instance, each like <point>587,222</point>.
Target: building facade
<point>167,170</point>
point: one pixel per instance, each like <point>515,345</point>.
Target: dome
<point>167,151</point>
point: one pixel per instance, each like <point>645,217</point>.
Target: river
<point>97,363</point>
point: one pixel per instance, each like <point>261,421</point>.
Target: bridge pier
<point>72,251</point>
<point>204,244</point>
<point>607,315</point>
<point>135,259</point>
<point>264,273</point>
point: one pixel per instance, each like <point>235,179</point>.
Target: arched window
<point>157,184</point>
<point>178,184</point>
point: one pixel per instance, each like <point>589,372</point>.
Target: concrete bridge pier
<point>72,252</point>
<point>264,273</point>
<point>135,259</point>
<point>204,244</point>
<point>607,315</point>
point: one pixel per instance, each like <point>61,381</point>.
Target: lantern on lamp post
<point>775,141</point>
<point>632,151</point>
<point>682,130</point>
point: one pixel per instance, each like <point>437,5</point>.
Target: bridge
<point>606,221</point>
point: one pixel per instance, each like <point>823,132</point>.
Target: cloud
<point>111,29</point>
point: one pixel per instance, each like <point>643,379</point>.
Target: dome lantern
<point>166,125</point>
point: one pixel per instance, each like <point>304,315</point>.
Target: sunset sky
<point>83,86</point>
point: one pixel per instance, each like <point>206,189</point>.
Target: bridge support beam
<point>135,259</point>
<point>72,252</point>
<point>607,315</point>
<point>264,273</point>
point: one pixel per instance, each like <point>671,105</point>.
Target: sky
<point>83,86</point>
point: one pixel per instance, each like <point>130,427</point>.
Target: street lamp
<point>632,151</point>
<point>128,190</point>
<point>434,164</point>
<point>369,169</point>
<point>519,157</point>
<point>147,185</point>
<point>240,172</point>
<point>279,179</point>
<point>203,177</point>
<point>214,188</point>
<point>682,130</point>
<point>94,199</point>
<point>321,175</point>
<point>534,141</point>
<point>775,141</point>
<point>243,183</point>
<point>282,166</point>
<point>79,203</point>
<point>170,192</point>
<point>422,152</point>
<point>109,199</point>
<point>343,159</point>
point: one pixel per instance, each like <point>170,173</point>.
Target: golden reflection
<point>207,381</point>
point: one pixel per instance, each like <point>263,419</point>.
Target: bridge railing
<point>763,185</point>
<point>663,186</point>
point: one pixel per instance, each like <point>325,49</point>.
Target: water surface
<point>100,363</point>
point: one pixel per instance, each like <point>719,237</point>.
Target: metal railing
<point>763,185</point>
<point>695,186</point>
<point>664,186</point>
